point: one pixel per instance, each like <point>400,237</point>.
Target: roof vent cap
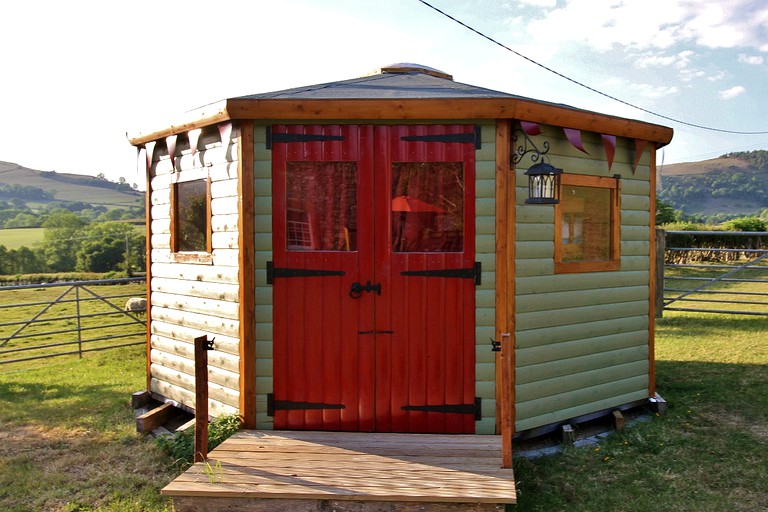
<point>410,67</point>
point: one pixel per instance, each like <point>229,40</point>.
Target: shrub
<point>745,224</point>
<point>181,445</point>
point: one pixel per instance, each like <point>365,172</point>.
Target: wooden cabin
<point>353,247</point>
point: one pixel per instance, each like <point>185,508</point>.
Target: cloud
<point>678,61</point>
<point>605,24</point>
<point>539,3</point>
<point>755,60</point>
<point>654,91</point>
<point>716,78</point>
<point>602,24</point>
<point>731,93</point>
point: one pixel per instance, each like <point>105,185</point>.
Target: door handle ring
<point>357,289</point>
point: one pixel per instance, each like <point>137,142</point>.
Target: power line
<point>581,84</point>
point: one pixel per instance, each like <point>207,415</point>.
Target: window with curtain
<point>587,225</point>
<point>321,213</point>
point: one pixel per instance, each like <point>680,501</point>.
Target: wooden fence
<point>73,318</point>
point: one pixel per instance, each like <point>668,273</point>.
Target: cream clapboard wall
<point>262,210</point>
<point>581,339</point>
<point>193,299</point>
<point>485,293</point>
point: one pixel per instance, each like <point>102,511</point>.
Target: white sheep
<point>136,305</point>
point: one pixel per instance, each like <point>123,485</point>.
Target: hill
<point>732,185</point>
<point>18,182</point>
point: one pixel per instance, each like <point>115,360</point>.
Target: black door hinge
<point>474,408</point>
<point>472,137</point>
<point>278,137</point>
<point>288,405</point>
<point>474,272</point>
<point>274,272</point>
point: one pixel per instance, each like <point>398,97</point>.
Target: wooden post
<point>202,346</point>
<point>506,400</point>
<point>660,247</point>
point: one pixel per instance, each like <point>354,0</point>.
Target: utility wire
<point>581,84</point>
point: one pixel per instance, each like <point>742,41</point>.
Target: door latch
<point>357,289</point>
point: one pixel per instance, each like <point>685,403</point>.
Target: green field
<point>33,237</point>
<point>21,237</point>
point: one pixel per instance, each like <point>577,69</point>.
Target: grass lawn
<point>707,454</point>
<point>69,441</point>
<point>69,438</point>
<point>18,237</point>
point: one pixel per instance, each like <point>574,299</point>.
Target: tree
<point>23,220</point>
<point>4,261</point>
<point>24,261</point>
<point>746,224</point>
<point>62,236</point>
<point>664,213</point>
<point>111,246</point>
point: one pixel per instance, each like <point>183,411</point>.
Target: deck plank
<point>365,467</point>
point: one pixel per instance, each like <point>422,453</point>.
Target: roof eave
<point>208,115</point>
<point>390,109</point>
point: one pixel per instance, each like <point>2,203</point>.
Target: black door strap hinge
<point>288,405</point>
<point>475,272</point>
<point>274,272</point>
<point>474,408</point>
<point>282,137</point>
<point>473,137</point>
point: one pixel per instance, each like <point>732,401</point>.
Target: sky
<point>77,76</point>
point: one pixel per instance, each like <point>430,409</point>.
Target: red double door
<point>374,278</point>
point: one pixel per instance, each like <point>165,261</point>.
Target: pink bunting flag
<point>530,128</point>
<point>609,142</point>
<point>141,164</point>
<point>170,142</point>
<point>150,153</point>
<point>639,148</point>
<point>225,130</point>
<point>194,137</point>
<point>574,137</point>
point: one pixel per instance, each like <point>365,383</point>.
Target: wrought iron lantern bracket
<point>524,147</point>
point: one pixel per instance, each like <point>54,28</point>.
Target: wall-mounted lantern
<point>543,184</point>
<point>543,177</point>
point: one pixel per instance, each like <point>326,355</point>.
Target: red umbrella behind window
<point>413,204</point>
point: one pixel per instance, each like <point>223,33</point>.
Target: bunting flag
<point>225,130</point>
<point>194,137</point>
<point>530,128</point>
<point>609,142</point>
<point>150,153</point>
<point>170,142</point>
<point>574,137</point>
<point>141,165</point>
<point>639,148</point>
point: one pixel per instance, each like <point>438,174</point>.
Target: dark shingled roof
<point>394,82</point>
<point>407,82</point>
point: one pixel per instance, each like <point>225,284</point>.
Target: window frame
<point>205,256</point>
<point>614,246</point>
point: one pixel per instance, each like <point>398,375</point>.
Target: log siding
<point>581,340</point>
<point>191,297</point>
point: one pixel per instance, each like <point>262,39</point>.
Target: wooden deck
<point>311,471</point>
